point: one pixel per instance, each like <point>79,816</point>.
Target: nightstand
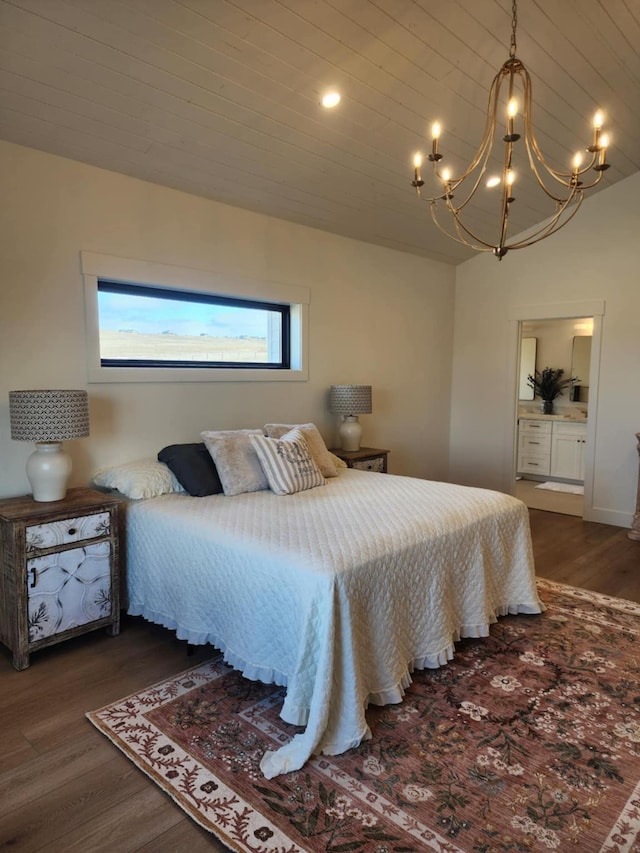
<point>59,570</point>
<point>365,459</point>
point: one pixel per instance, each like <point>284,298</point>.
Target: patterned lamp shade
<point>48,415</point>
<point>350,399</point>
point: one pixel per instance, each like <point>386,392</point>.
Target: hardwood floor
<point>64,787</point>
<point>585,554</point>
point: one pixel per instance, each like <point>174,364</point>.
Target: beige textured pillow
<point>288,463</point>
<point>236,460</point>
<point>315,441</point>
<point>339,463</point>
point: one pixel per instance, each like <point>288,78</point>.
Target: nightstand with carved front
<point>59,570</point>
<point>365,459</point>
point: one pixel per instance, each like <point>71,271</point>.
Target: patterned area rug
<point>528,740</point>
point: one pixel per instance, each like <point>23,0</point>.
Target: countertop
<point>535,416</point>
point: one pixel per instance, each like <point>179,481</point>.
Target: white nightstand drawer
<point>40,536</point>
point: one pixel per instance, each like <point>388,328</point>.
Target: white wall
<point>377,316</point>
<point>597,257</point>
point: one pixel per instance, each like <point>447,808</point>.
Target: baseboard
<point>608,516</point>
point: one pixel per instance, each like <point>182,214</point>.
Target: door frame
<point>556,311</point>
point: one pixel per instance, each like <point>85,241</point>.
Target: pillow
<point>193,467</point>
<point>236,461</point>
<point>288,463</point>
<point>318,448</point>
<point>339,463</point>
<point>145,478</point>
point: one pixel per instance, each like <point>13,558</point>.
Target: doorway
<point>551,449</point>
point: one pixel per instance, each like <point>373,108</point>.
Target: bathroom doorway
<point>551,449</point>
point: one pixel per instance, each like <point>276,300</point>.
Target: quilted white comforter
<point>338,592</point>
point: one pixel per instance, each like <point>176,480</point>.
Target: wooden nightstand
<point>59,570</point>
<point>365,459</point>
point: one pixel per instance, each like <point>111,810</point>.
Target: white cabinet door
<point>567,456</point>
<point>68,589</point>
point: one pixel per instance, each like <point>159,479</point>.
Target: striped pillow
<point>287,463</point>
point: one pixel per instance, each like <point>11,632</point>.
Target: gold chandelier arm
<point>484,151</point>
<point>484,247</point>
<point>549,226</point>
<point>567,184</point>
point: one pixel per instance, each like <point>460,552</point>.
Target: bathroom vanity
<point>551,446</point>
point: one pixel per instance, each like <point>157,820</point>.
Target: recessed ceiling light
<point>330,100</point>
<point>493,182</point>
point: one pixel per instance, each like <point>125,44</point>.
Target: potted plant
<point>548,385</point>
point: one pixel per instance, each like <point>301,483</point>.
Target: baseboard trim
<point>608,516</point>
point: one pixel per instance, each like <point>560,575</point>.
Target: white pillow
<point>323,459</point>
<point>287,463</point>
<point>236,460</point>
<point>144,478</point>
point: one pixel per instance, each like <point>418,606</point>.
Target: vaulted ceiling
<point>220,98</point>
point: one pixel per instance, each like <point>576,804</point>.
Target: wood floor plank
<point>127,826</point>
<point>48,820</point>
<point>187,836</point>
<point>37,777</point>
<point>15,749</point>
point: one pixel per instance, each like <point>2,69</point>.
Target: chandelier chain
<point>514,24</point>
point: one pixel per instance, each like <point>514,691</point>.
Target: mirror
<point>528,348</point>
<point>580,367</point>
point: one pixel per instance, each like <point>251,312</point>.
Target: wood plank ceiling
<point>220,98</point>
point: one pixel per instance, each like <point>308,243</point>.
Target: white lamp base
<point>48,470</point>
<point>350,433</point>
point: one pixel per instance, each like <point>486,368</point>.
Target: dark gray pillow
<point>193,468</point>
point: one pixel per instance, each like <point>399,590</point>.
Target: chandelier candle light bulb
<point>564,190</point>
<point>512,112</point>
<point>435,134</point>
<point>602,152</point>
<point>417,164</point>
<point>598,121</point>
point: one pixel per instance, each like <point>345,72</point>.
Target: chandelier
<point>509,95</point>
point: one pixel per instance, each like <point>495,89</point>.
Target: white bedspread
<point>338,592</point>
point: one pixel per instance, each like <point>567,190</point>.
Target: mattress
<point>338,593</point>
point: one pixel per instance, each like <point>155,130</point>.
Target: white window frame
<point>109,267</point>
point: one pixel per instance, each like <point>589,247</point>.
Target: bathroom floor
<point>548,501</point>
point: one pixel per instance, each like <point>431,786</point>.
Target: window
<point>141,326</point>
<point>151,322</point>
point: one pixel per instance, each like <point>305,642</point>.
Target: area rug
<point>567,488</point>
<point>528,740</point>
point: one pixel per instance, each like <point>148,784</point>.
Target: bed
<point>338,593</point>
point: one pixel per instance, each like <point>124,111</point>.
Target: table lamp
<point>350,401</point>
<point>48,418</point>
